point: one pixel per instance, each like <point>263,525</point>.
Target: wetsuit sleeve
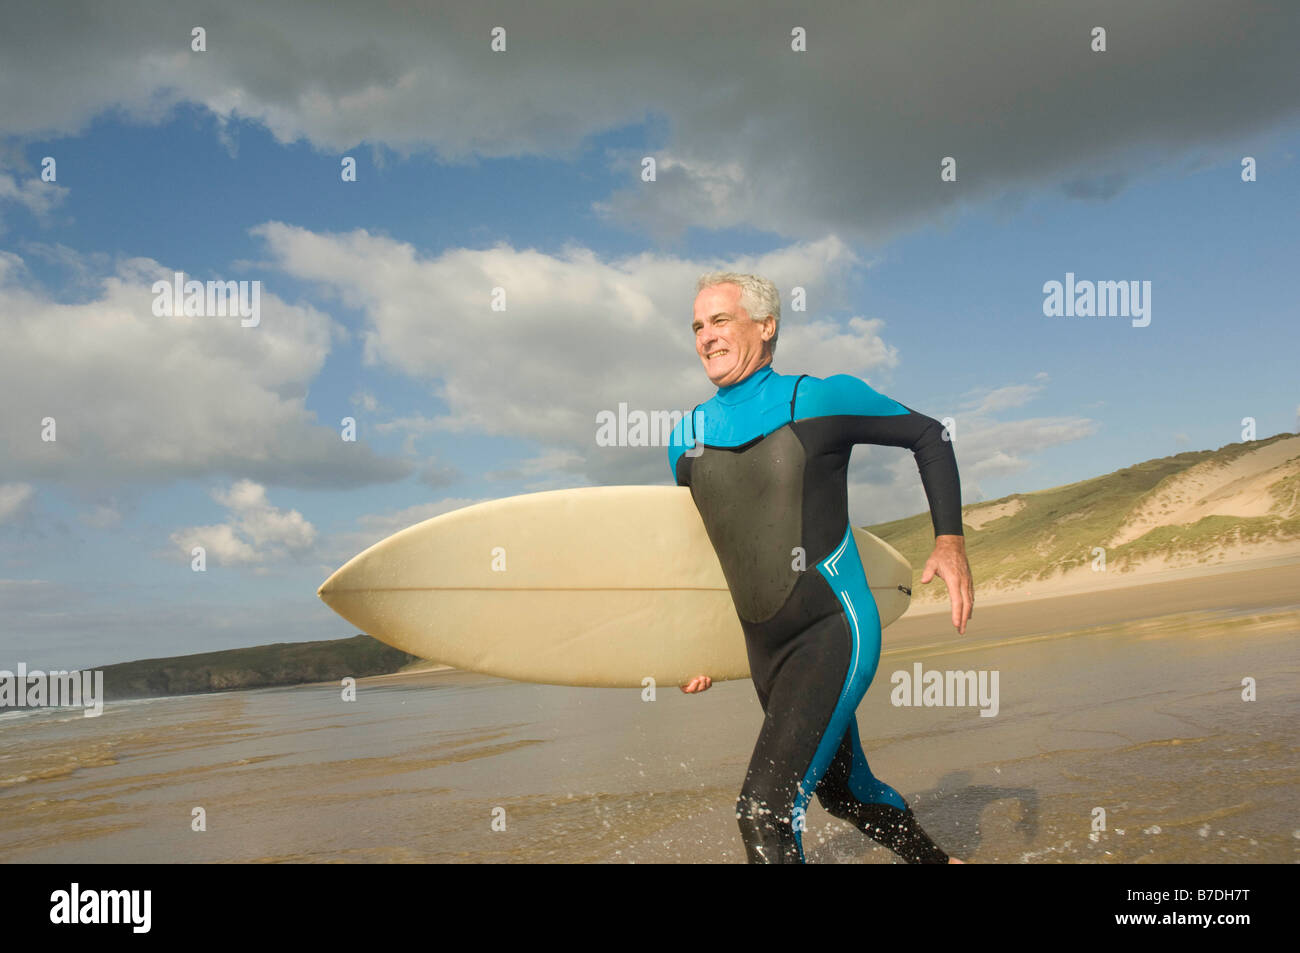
<point>863,415</point>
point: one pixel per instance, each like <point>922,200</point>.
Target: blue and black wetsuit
<point>769,480</point>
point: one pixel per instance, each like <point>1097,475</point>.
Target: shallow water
<point>1143,719</point>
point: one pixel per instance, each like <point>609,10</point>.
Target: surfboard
<point>597,586</point>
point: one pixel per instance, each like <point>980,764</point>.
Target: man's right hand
<point>700,683</point>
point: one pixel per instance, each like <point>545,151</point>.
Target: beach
<point>1120,736</point>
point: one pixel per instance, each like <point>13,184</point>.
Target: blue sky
<point>375,293</point>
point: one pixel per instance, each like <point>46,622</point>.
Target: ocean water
<point>1137,727</point>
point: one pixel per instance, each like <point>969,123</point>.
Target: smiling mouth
<point>718,353</point>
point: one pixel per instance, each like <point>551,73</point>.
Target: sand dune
<point>1171,517</point>
<point>1241,487</point>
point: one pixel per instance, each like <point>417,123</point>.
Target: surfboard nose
<point>343,585</point>
<point>329,587</point>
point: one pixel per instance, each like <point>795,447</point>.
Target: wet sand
<point>1128,700</point>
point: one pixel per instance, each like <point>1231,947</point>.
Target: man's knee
<point>837,801</point>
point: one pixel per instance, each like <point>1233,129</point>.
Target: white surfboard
<point>600,586</point>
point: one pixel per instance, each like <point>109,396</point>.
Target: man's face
<point>730,343</point>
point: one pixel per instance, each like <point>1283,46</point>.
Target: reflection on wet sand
<point>1143,719</point>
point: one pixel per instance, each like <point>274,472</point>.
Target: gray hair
<point>758,296</point>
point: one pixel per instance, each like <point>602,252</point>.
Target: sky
<point>503,267</point>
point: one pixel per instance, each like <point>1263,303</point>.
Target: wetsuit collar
<point>747,388</point>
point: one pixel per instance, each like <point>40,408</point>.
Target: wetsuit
<point>769,481</point>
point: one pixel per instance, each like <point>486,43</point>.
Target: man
<point>766,461</point>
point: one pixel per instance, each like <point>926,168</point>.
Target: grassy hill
<point>1187,509</point>
<point>282,663</point>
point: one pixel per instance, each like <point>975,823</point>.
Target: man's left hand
<point>949,563</point>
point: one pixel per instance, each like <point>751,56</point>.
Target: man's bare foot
<point>954,860</point>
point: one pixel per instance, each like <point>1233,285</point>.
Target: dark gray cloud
<point>846,137</point>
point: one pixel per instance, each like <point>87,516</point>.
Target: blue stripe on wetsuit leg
<point>843,571</point>
<point>864,785</point>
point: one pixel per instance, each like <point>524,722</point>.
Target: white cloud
<point>821,347</point>
<point>579,335</point>
<point>136,397</point>
<point>1003,398</point>
<point>257,532</point>
<point>263,523</point>
<point>220,542</point>
<point>37,196</point>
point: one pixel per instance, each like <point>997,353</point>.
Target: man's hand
<point>700,683</point>
<point>948,562</point>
